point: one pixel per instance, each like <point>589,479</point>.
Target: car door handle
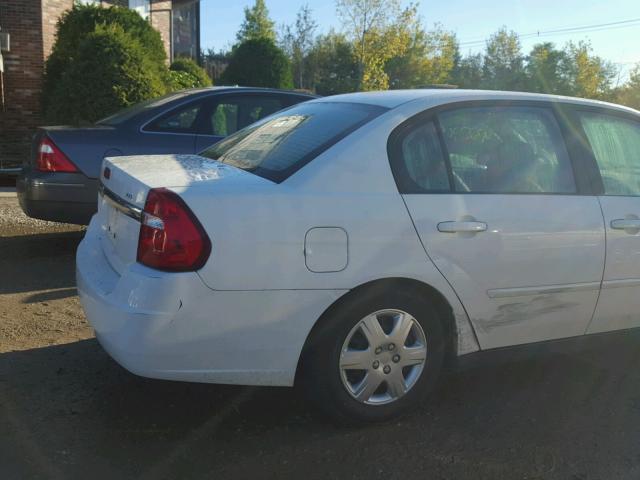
<point>462,227</point>
<point>626,224</point>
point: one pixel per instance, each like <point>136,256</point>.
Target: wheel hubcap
<point>382,357</point>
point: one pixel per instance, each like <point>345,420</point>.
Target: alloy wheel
<point>383,356</point>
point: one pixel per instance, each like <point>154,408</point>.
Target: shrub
<point>258,63</point>
<point>83,20</point>
<point>197,75</point>
<point>181,80</point>
<point>111,70</point>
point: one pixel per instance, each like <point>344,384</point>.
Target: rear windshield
<point>281,144</point>
<point>130,112</point>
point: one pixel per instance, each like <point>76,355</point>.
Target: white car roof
<point>394,98</point>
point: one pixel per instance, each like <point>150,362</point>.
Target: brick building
<point>31,26</point>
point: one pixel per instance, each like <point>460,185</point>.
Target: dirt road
<point>68,411</point>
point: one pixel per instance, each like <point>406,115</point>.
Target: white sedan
<point>354,243</point>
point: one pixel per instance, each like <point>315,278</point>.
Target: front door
<point>493,196</point>
<point>615,142</point>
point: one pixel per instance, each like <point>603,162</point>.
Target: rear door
<point>226,114</point>
<point>493,195</point>
<point>615,142</point>
<point>174,131</point>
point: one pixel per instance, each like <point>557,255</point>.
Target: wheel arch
<point>453,325</point>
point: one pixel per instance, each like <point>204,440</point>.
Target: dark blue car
<point>59,182</point>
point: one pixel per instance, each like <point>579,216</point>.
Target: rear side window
<point>282,144</point>
<point>506,150</point>
<point>235,113</point>
<point>180,120</point>
<point>616,144</point>
<point>423,161</point>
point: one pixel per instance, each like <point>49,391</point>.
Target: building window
<point>140,6</point>
<point>185,26</point>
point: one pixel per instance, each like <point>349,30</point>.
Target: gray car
<point>59,182</point>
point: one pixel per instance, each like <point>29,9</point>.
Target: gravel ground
<point>68,411</point>
<point>37,287</point>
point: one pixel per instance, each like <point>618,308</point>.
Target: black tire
<point>320,373</point>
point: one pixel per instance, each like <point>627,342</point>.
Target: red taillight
<point>171,237</point>
<point>51,158</point>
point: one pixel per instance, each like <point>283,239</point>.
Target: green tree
<point>380,30</point>
<point>629,94</point>
<point>214,63</point>
<point>258,63</point>
<point>111,70</point>
<point>332,65</point>
<point>195,75</point>
<point>297,41</point>
<point>503,63</point>
<point>256,24</point>
<point>429,59</point>
<point>547,70</point>
<point>589,75</point>
<point>467,71</point>
<point>82,20</point>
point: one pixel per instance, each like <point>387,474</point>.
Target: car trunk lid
<point>125,183</point>
<point>85,147</point>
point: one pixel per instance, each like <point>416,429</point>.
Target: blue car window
<point>181,120</point>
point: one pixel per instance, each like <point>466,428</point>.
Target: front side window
<point>224,119</point>
<point>616,145</point>
<point>280,145</point>
<point>506,150</point>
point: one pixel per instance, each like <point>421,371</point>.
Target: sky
<point>471,20</point>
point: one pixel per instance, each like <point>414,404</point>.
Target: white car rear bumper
<point>172,326</point>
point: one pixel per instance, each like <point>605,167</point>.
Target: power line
<point>565,28</point>
<point>634,22</point>
<point>602,26</point>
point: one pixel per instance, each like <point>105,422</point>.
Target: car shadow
<point>69,411</point>
<point>50,295</point>
<point>36,262</point>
